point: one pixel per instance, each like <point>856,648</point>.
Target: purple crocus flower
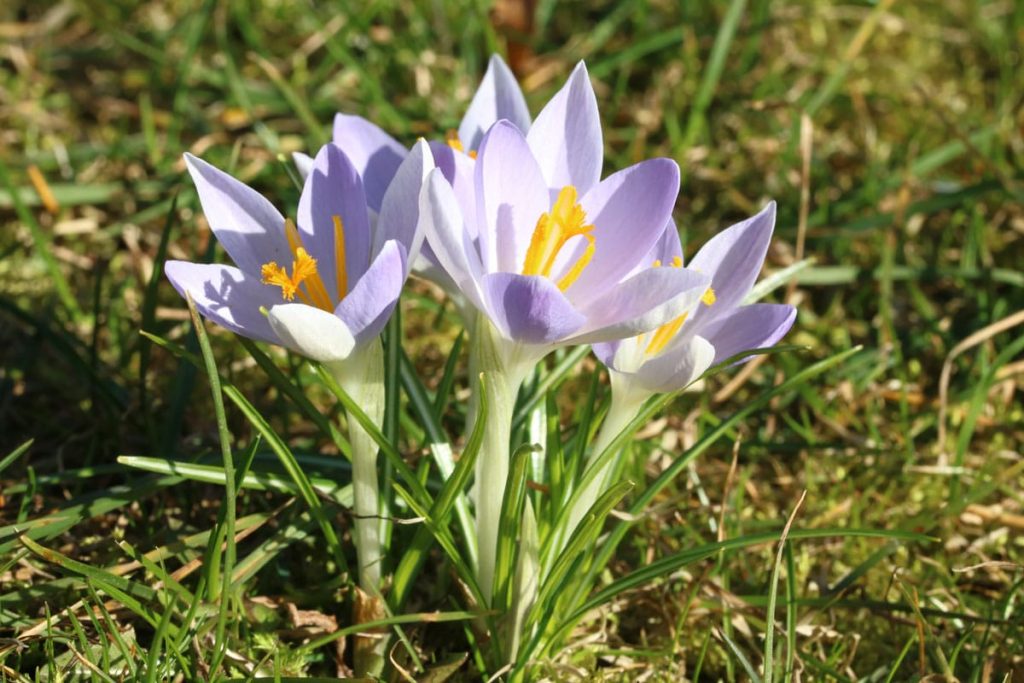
<point>321,286</point>
<point>678,352</point>
<point>544,253</point>
<point>721,327</point>
<point>548,267</point>
<point>571,115</point>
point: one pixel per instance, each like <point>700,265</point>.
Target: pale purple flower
<point>549,266</point>
<point>721,327</point>
<point>321,286</point>
<point>571,115</point>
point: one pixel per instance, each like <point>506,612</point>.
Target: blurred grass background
<point>891,134</point>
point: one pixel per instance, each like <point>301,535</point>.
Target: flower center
<point>305,281</point>
<point>664,334</point>
<point>566,220</point>
<point>452,138</point>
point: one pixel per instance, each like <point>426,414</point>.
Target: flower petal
<point>668,247</point>
<point>606,351</point>
<point>664,251</point>
<point>312,332</point>
<point>375,154</point>
<point>368,306</point>
<point>497,97</point>
<point>733,259</point>
<point>756,326</point>
<point>676,368</point>
<point>428,267</point>
<point>248,226</point>
<point>400,212</point>
<point>529,308</point>
<point>227,296</point>
<point>460,171</point>
<point>629,211</point>
<point>334,188</point>
<point>447,237</point>
<point>566,137</point>
<point>511,195</point>
<point>303,164</point>
<point>645,301</point>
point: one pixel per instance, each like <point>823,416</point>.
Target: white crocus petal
<point>313,332</point>
<point>303,164</point>
<point>676,368</point>
<point>449,241</point>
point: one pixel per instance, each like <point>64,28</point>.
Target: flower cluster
<point>511,216</point>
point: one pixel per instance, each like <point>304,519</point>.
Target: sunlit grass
<point>913,226</point>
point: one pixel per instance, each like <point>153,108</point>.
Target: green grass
<point>113,513</point>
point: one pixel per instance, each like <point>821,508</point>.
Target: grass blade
<point>713,72</point>
<point>225,532</point>
<point>450,495</point>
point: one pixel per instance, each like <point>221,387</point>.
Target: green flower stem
<point>505,365</point>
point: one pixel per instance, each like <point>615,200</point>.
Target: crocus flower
<point>678,352</point>
<point>377,155</point>
<point>571,115</point>
<point>320,286</point>
<point>324,287</point>
<point>547,267</point>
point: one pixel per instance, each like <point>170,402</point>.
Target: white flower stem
<point>504,365</point>
<point>626,402</point>
<point>361,375</point>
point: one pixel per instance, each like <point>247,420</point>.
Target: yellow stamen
<point>453,140</point>
<point>304,273</point>
<point>566,220</point>
<point>339,256</point>
<point>566,280</point>
<point>303,267</point>
<point>664,334</point>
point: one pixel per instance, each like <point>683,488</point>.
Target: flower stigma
<point>305,281</point>
<point>566,220</point>
<point>304,266</point>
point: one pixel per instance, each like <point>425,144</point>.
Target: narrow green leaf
<point>671,563</point>
<point>508,527</point>
<point>386,447</point>
<point>225,532</point>
<point>712,72</point>
<point>451,493</point>
<point>297,396</point>
<point>740,657</point>
<point>444,387</point>
<point>15,454</point>
<point>258,480</point>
